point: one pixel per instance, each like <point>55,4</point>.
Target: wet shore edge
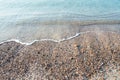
<point>77,23</point>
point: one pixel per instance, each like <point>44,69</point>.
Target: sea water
<point>29,20</point>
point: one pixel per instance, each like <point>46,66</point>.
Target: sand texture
<point>90,56</point>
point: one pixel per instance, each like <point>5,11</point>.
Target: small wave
<point>58,41</point>
<point>30,43</point>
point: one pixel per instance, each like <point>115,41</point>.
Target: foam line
<point>30,43</point>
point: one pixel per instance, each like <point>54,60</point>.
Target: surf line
<point>58,41</point>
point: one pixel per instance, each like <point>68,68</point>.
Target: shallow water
<point>28,20</point>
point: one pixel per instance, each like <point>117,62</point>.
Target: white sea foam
<point>30,43</point>
<point>24,43</point>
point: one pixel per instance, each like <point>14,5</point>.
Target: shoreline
<point>77,24</point>
<point>57,41</point>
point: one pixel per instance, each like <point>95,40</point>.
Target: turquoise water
<point>14,12</point>
<point>31,8</point>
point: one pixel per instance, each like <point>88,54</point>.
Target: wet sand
<point>90,56</point>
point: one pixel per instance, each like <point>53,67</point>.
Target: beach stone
<point>89,56</point>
